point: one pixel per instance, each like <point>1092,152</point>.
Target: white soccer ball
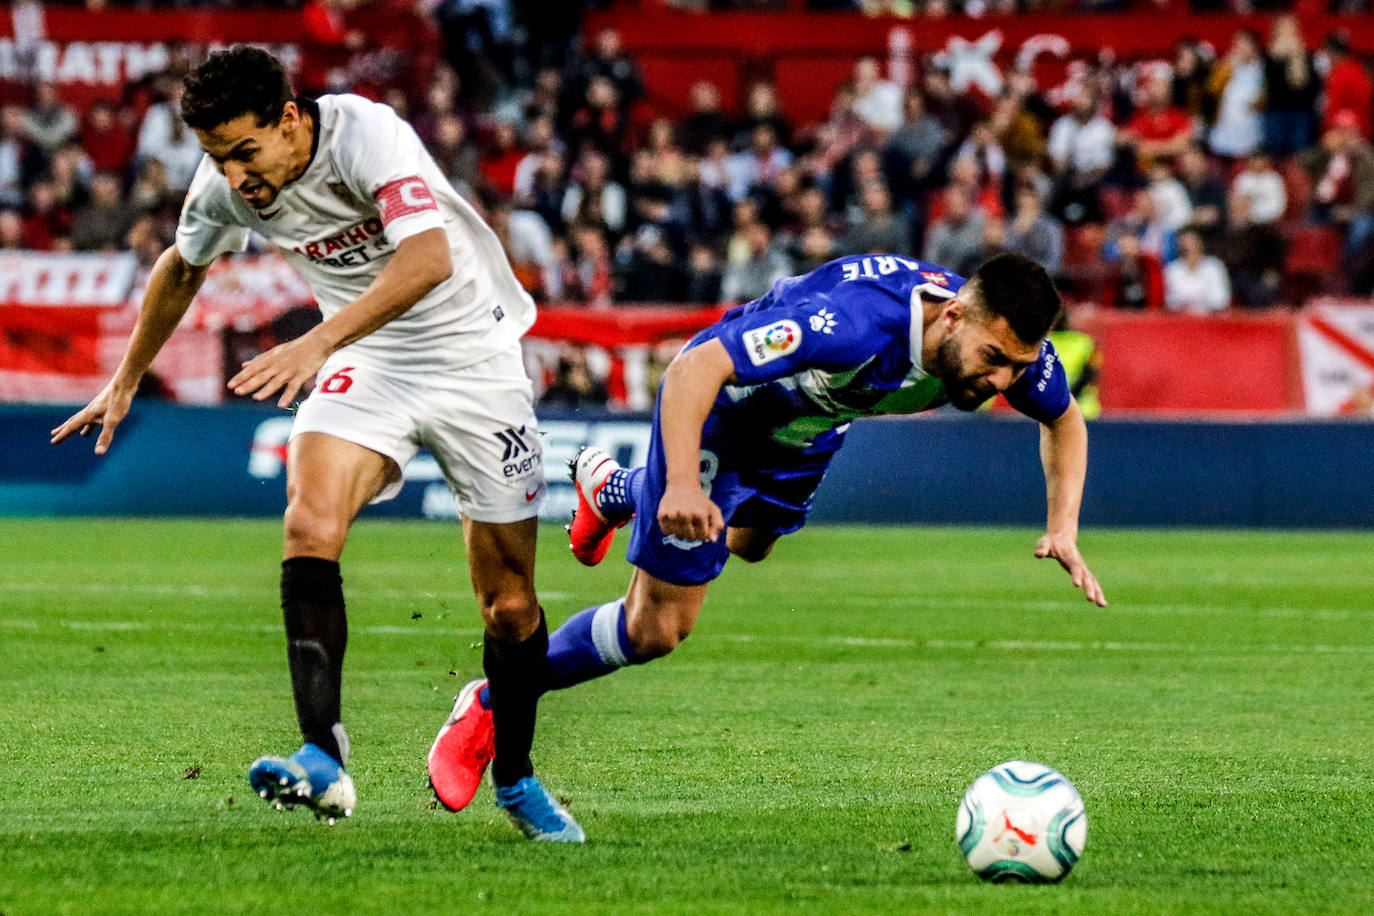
<point>1021,822</point>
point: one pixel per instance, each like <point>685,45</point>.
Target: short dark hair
<point>1014,287</point>
<point>229,84</point>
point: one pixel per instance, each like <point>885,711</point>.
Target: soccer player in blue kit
<point>753,409</point>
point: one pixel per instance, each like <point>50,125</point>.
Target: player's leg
<point>751,544</point>
<point>329,480</point>
<point>607,497</point>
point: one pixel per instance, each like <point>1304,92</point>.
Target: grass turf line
<point>804,750</point>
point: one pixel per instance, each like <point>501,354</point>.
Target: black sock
<point>517,672</point>
<point>312,605</point>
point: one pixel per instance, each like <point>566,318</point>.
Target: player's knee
<point>311,533</point>
<point>510,615</point>
<point>748,549</point>
<point>656,637</point>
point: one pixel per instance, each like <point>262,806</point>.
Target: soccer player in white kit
<point>419,346</point>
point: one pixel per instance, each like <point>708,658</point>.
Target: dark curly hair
<point>229,84</point>
<point>1016,288</point>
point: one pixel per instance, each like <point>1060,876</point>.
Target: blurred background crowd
<point>1226,177</point>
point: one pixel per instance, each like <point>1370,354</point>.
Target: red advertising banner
<point>809,55</point>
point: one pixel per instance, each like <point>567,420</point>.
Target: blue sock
<point>620,495</point>
<point>591,643</point>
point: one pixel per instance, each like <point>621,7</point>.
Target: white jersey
<point>369,185</point>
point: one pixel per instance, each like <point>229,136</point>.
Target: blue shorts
<point>775,499</point>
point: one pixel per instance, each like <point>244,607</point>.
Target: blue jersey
<point>842,342</point>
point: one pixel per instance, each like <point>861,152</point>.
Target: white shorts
<point>478,421</point>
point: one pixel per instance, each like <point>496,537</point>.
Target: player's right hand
<point>106,411</point>
<point>686,512</point>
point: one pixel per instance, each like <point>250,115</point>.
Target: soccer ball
<point>1021,822</point>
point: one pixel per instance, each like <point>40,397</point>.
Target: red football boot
<point>591,532</point>
<point>461,752</point>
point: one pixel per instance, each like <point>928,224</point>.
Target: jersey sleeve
<point>382,157</point>
<point>207,227</point>
<point>1042,391</point>
<point>814,333</point>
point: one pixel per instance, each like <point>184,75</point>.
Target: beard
<point>965,391</point>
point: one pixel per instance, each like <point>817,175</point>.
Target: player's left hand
<point>285,367</point>
<point>1064,548</point>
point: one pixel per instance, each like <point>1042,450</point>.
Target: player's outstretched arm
<point>690,387</point>
<point>172,285</point>
<point>421,262</point>
<point>1064,455</point>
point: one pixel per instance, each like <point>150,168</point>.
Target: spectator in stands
<point>993,243</point>
<point>107,139</point>
<point>456,157</point>
<point>1034,233</point>
<point>1143,222</point>
<point>1159,130</point>
<point>983,149</point>
<point>608,61</point>
<point>761,107</point>
<point>48,123</point>
<point>703,276</point>
<point>1253,252</point>
<point>527,242</point>
<point>1238,83</point>
<point>1188,84</point>
<point>1348,87</point>
<point>836,138</point>
<point>958,234</point>
<point>706,121</point>
<point>574,386</point>
<point>761,265</point>
<point>46,221</point>
<point>150,189</point>
<point>592,198</point>
<point>11,231</point>
<point>985,193</point>
<point>815,247</point>
<point>1263,189</point>
<point>1172,206</point>
<point>1019,133</point>
<point>760,164</point>
<point>1290,90</point>
<point>1196,282</point>
<point>877,102</point>
<point>651,272</point>
<point>877,229</point>
<point>540,141</point>
<point>102,224</point>
<point>593,281</point>
<point>1206,193</point>
<point>1136,281</point>
<point>599,123</point>
<point>498,164</point>
<point>706,206</point>
<point>1341,169</point>
<point>917,146</point>
<point>20,161</point>
<point>1082,144</point>
<point>164,136</point>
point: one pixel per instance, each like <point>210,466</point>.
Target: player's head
<point>239,103</point>
<point>991,332</point>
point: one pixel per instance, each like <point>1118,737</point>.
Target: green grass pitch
<point>803,751</point>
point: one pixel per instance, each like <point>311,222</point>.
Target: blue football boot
<point>538,814</point>
<point>308,777</point>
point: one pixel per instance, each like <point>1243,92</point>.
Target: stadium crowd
<point>1228,177</point>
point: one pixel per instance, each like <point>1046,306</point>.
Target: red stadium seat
<point>1313,265</point>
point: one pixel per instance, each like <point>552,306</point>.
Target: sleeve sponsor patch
<point>404,197</point>
<point>772,342</point>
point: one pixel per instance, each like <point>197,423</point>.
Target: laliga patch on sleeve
<point>772,342</point>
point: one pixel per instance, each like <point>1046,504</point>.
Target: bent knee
<point>510,615</point>
<point>309,532</point>
<point>656,638</point>
<point>750,549</point>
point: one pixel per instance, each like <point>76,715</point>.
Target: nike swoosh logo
<point>263,214</point>
<point>529,497</point>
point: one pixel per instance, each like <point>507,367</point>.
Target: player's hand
<point>107,410</point>
<point>285,368</point>
<point>686,512</point>
<point>1064,548</point>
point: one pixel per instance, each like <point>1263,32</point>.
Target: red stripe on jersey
<point>404,197</point>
